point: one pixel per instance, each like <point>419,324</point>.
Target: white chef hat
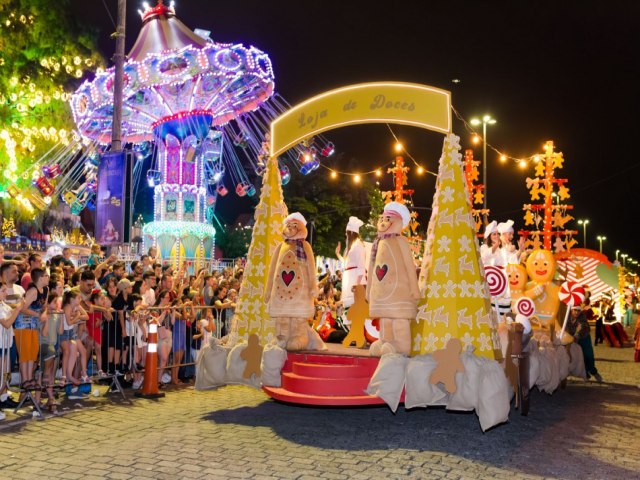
<point>354,224</point>
<point>505,227</point>
<point>489,229</point>
<point>398,209</point>
<point>295,216</point>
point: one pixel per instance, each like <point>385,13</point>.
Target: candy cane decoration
<point>570,294</point>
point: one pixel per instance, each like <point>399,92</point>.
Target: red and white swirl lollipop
<point>497,280</point>
<point>525,307</point>
<point>571,293</point>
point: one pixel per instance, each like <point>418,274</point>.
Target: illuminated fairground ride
<point>200,108</point>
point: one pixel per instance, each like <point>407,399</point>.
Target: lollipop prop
<point>497,281</point>
<point>571,294</point>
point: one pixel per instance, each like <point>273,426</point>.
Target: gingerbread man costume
<point>392,289</point>
<point>291,284</point>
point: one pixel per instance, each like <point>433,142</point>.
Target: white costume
<point>487,256</point>
<point>508,256</point>
<point>355,264</point>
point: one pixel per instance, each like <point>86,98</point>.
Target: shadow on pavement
<point>558,437</point>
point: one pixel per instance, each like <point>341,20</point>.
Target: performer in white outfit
<point>490,250</point>
<point>509,252</point>
<point>354,263</point>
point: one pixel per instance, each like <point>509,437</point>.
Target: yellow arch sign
<point>379,102</point>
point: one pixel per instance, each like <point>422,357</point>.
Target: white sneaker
<point>137,384</point>
<point>166,378</point>
<point>2,415</point>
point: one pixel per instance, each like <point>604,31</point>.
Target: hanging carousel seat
<point>222,190</point>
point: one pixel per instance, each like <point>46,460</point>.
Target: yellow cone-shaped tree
<point>251,311</point>
<point>455,302</point>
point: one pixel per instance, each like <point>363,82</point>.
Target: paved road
<point>586,431</point>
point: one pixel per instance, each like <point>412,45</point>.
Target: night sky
<point>565,71</point>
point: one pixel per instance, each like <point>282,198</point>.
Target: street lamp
<point>584,224</point>
<point>486,120</point>
<point>617,252</point>
<point>601,239</point>
<point>624,259</point>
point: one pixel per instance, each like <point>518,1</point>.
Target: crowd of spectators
<point>85,322</point>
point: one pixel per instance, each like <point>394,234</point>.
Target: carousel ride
<point>199,109</point>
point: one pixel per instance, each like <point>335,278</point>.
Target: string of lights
<point>378,171</point>
<point>523,162</point>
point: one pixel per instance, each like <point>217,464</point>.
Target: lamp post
<point>617,252</point>
<point>624,259</point>
<point>601,239</point>
<point>486,120</point>
<point>584,224</point>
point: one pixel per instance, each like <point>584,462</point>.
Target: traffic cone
<point>150,385</point>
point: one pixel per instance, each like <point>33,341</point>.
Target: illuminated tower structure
<point>548,218</point>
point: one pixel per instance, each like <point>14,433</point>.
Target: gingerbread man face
<point>389,223</point>
<point>517,276</point>
<point>541,266</point>
<point>294,230</point>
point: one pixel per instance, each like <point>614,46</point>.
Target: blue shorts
<point>67,335</point>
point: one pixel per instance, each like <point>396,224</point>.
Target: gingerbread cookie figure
<point>392,287</point>
<point>449,364</point>
<point>518,278</point>
<point>541,267</point>
<point>252,354</point>
<point>291,284</point>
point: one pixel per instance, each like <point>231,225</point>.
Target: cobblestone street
<point>586,431</point>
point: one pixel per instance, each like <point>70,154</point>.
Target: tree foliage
<point>234,242</point>
<point>44,54</point>
<point>327,205</point>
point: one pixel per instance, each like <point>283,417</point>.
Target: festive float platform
<point>337,376</point>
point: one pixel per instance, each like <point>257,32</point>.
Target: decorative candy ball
<point>496,279</point>
<point>571,293</point>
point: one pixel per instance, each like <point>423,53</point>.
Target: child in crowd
<point>74,314</point>
<point>51,325</point>
<point>96,255</point>
<point>8,316</point>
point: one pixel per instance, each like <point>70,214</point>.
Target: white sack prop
<point>418,390</point>
<point>274,357</point>
<point>534,362</point>
<point>493,395</point>
<point>315,342</point>
<point>387,381</point>
<point>211,364</point>
<point>465,398</point>
<point>549,383</point>
<point>576,362</point>
<point>562,358</point>
<point>236,366</point>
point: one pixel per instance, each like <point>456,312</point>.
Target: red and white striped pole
<point>150,385</point>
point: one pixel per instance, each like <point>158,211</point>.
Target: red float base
<point>326,379</point>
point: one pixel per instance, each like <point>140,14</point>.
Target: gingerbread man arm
<point>372,270</point>
<point>313,287</point>
<point>272,269</point>
<point>409,266</point>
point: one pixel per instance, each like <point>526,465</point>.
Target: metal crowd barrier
<point>115,357</point>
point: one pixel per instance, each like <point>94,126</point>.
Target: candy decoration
<point>571,293</point>
<point>525,306</point>
<point>496,279</point>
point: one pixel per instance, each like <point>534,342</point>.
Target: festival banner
<point>112,175</point>
<point>379,102</point>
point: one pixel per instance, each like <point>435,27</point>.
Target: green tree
<point>234,242</point>
<point>44,54</point>
<point>327,205</point>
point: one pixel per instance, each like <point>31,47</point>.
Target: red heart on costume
<point>381,271</point>
<point>287,277</point>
